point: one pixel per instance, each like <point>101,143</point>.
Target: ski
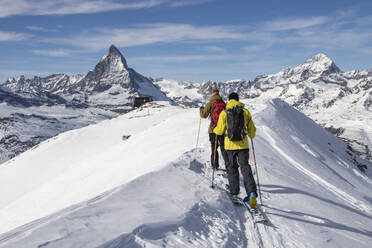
<point>256,212</point>
<point>234,200</point>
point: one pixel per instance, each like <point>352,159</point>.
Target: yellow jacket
<point>221,127</point>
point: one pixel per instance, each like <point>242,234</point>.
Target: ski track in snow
<point>256,234</point>
<point>339,193</point>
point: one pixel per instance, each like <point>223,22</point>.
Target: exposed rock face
<point>111,70</point>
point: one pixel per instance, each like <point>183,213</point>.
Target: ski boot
<point>252,200</point>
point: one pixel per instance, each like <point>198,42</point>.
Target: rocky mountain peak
<point>321,63</point>
<point>114,50</point>
<point>321,57</point>
<point>115,58</point>
<point>111,69</point>
<point>112,76</point>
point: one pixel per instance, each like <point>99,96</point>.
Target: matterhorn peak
<point>113,50</point>
<point>115,58</point>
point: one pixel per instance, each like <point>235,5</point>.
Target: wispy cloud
<point>331,37</point>
<point>215,48</point>
<point>255,48</point>
<point>181,58</point>
<point>291,24</point>
<point>13,36</point>
<point>34,28</point>
<point>97,39</point>
<point>181,3</point>
<point>341,30</point>
<point>41,29</point>
<point>66,7</point>
<point>52,53</point>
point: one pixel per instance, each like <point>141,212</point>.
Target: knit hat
<point>215,91</point>
<point>234,96</point>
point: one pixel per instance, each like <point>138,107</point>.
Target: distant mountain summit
<point>317,66</point>
<point>111,70</point>
<point>115,54</point>
<point>320,63</point>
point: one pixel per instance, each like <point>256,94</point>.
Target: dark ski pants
<point>240,158</point>
<point>220,143</point>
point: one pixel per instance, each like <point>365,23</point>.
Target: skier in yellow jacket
<point>236,123</point>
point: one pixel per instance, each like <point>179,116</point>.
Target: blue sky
<point>186,40</point>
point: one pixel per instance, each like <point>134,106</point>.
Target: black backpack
<point>235,123</point>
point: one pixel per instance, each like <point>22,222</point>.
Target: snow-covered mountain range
<point>33,110</point>
<point>89,188</point>
<point>112,85</point>
<point>339,101</point>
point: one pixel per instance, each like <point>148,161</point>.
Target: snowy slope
<point>21,128</point>
<point>89,188</point>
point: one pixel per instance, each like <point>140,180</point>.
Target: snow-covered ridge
<point>153,190</point>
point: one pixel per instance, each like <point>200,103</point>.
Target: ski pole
<point>215,149</point>
<point>197,139</point>
<point>214,159</point>
<point>255,164</point>
<point>212,179</point>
